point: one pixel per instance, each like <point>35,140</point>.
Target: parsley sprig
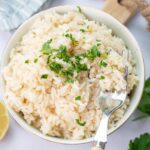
<point>144,105</point>
<point>140,143</point>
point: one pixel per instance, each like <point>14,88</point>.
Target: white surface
<point>18,139</point>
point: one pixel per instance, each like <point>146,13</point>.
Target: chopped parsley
<point>74,64</point>
<point>44,76</point>
<point>55,67</point>
<point>69,80</point>
<point>35,60</point>
<point>79,122</point>
<point>98,42</point>
<point>79,9</point>
<point>81,67</point>
<point>70,36</point>
<point>82,30</point>
<point>102,78</point>
<point>105,55</point>
<point>62,53</point>
<point>78,59</point>
<point>93,53</point>
<point>78,98</point>
<point>103,63</point>
<point>26,61</point>
<point>46,48</point>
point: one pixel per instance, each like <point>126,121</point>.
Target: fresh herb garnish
<point>79,122</point>
<point>44,76</point>
<point>62,53</point>
<point>82,30</point>
<point>144,105</point>
<point>74,64</point>
<point>102,78</point>
<point>69,80</point>
<point>46,48</point>
<point>103,63</point>
<point>35,60</point>
<point>79,9</point>
<point>26,61</point>
<point>140,143</point>
<point>78,59</point>
<point>81,67</point>
<point>98,42</point>
<point>55,67</point>
<point>105,55</point>
<point>93,53</point>
<point>70,36</point>
<point>78,98</point>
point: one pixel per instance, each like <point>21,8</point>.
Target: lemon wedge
<point>4,120</point>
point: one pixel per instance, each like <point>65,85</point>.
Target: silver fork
<point>109,102</point>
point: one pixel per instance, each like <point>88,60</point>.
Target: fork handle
<point>100,138</point>
<point>96,148</point>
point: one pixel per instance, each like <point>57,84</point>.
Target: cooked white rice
<point>56,107</point>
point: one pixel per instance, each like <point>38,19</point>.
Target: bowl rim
<point>31,129</point>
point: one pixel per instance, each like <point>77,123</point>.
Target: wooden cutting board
<point>122,10</point>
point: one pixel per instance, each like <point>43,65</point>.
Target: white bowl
<point>118,29</point>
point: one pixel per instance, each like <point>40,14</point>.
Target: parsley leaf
<point>102,63</point>
<point>93,53</point>
<point>81,67</point>
<point>140,143</point>
<point>46,48</point>
<point>70,36</point>
<point>44,76</point>
<point>69,80</point>
<point>26,61</point>
<point>82,30</point>
<point>78,98</point>
<point>98,42</point>
<point>79,122</point>
<point>79,9</point>
<point>55,67</point>
<point>102,78</point>
<point>144,105</point>
<point>35,60</point>
<point>105,55</point>
<point>62,53</point>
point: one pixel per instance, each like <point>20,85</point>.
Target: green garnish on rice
<point>78,98</point>
<point>103,63</point>
<point>102,78</point>
<point>79,122</point>
<point>74,62</point>
<point>35,60</point>
<point>26,61</point>
<point>82,30</point>
<point>44,76</point>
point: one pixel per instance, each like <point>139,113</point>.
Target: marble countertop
<point>19,139</point>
